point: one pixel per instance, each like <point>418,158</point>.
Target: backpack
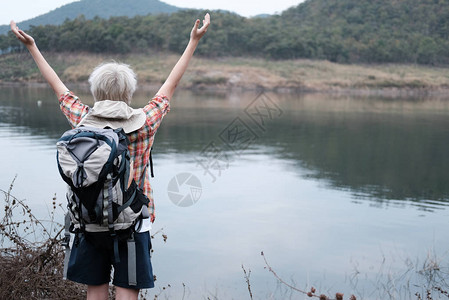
<point>95,163</point>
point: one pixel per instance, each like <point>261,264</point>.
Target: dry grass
<point>31,255</point>
<point>241,73</point>
<point>427,280</point>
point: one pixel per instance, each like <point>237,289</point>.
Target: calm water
<point>347,194</point>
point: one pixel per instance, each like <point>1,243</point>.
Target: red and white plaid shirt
<point>140,141</point>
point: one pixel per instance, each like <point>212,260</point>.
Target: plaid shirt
<point>140,140</point>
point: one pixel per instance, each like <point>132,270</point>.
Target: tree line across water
<point>346,31</point>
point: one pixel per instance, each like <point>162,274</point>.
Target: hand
<point>197,33</point>
<point>47,71</point>
<point>169,86</point>
<point>26,39</point>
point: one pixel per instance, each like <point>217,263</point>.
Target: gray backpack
<point>95,163</point>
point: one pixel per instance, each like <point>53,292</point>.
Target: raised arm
<point>169,86</point>
<point>49,74</point>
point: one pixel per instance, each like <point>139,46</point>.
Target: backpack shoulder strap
<point>151,162</point>
<point>66,244</point>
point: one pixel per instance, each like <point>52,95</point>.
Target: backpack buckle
<point>112,232</point>
<point>66,241</point>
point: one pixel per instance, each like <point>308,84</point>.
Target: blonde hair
<point>113,81</point>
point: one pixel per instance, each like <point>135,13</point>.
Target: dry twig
<point>311,293</point>
<point>247,275</point>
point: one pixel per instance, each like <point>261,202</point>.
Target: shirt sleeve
<point>155,110</point>
<point>72,108</point>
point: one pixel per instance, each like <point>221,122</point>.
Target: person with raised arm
<point>117,82</point>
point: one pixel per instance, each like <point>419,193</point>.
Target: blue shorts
<point>92,265</point>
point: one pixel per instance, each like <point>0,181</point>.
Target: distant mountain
<point>262,16</point>
<point>102,8</point>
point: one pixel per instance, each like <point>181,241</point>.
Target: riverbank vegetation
<point>31,254</point>
<point>241,73</point>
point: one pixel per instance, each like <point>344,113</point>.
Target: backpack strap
<point>108,214</point>
<point>132,261</point>
<point>143,177</point>
<point>106,204</point>
<point>151,162</point>
<point>66,244</point>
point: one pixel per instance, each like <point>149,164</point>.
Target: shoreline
<point>242,74</point>
<point>366,92</point>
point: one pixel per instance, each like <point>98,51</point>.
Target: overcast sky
<point>21,10</point>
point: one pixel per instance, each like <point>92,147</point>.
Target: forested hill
<point>102,8</point>
<point>349,31</point>
<point>366,30</point>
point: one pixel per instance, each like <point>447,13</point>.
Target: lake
<point>343,193</point>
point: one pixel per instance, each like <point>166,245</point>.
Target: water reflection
<point>377,148</point>
<point>381,149</point>
<point>21,112</point>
